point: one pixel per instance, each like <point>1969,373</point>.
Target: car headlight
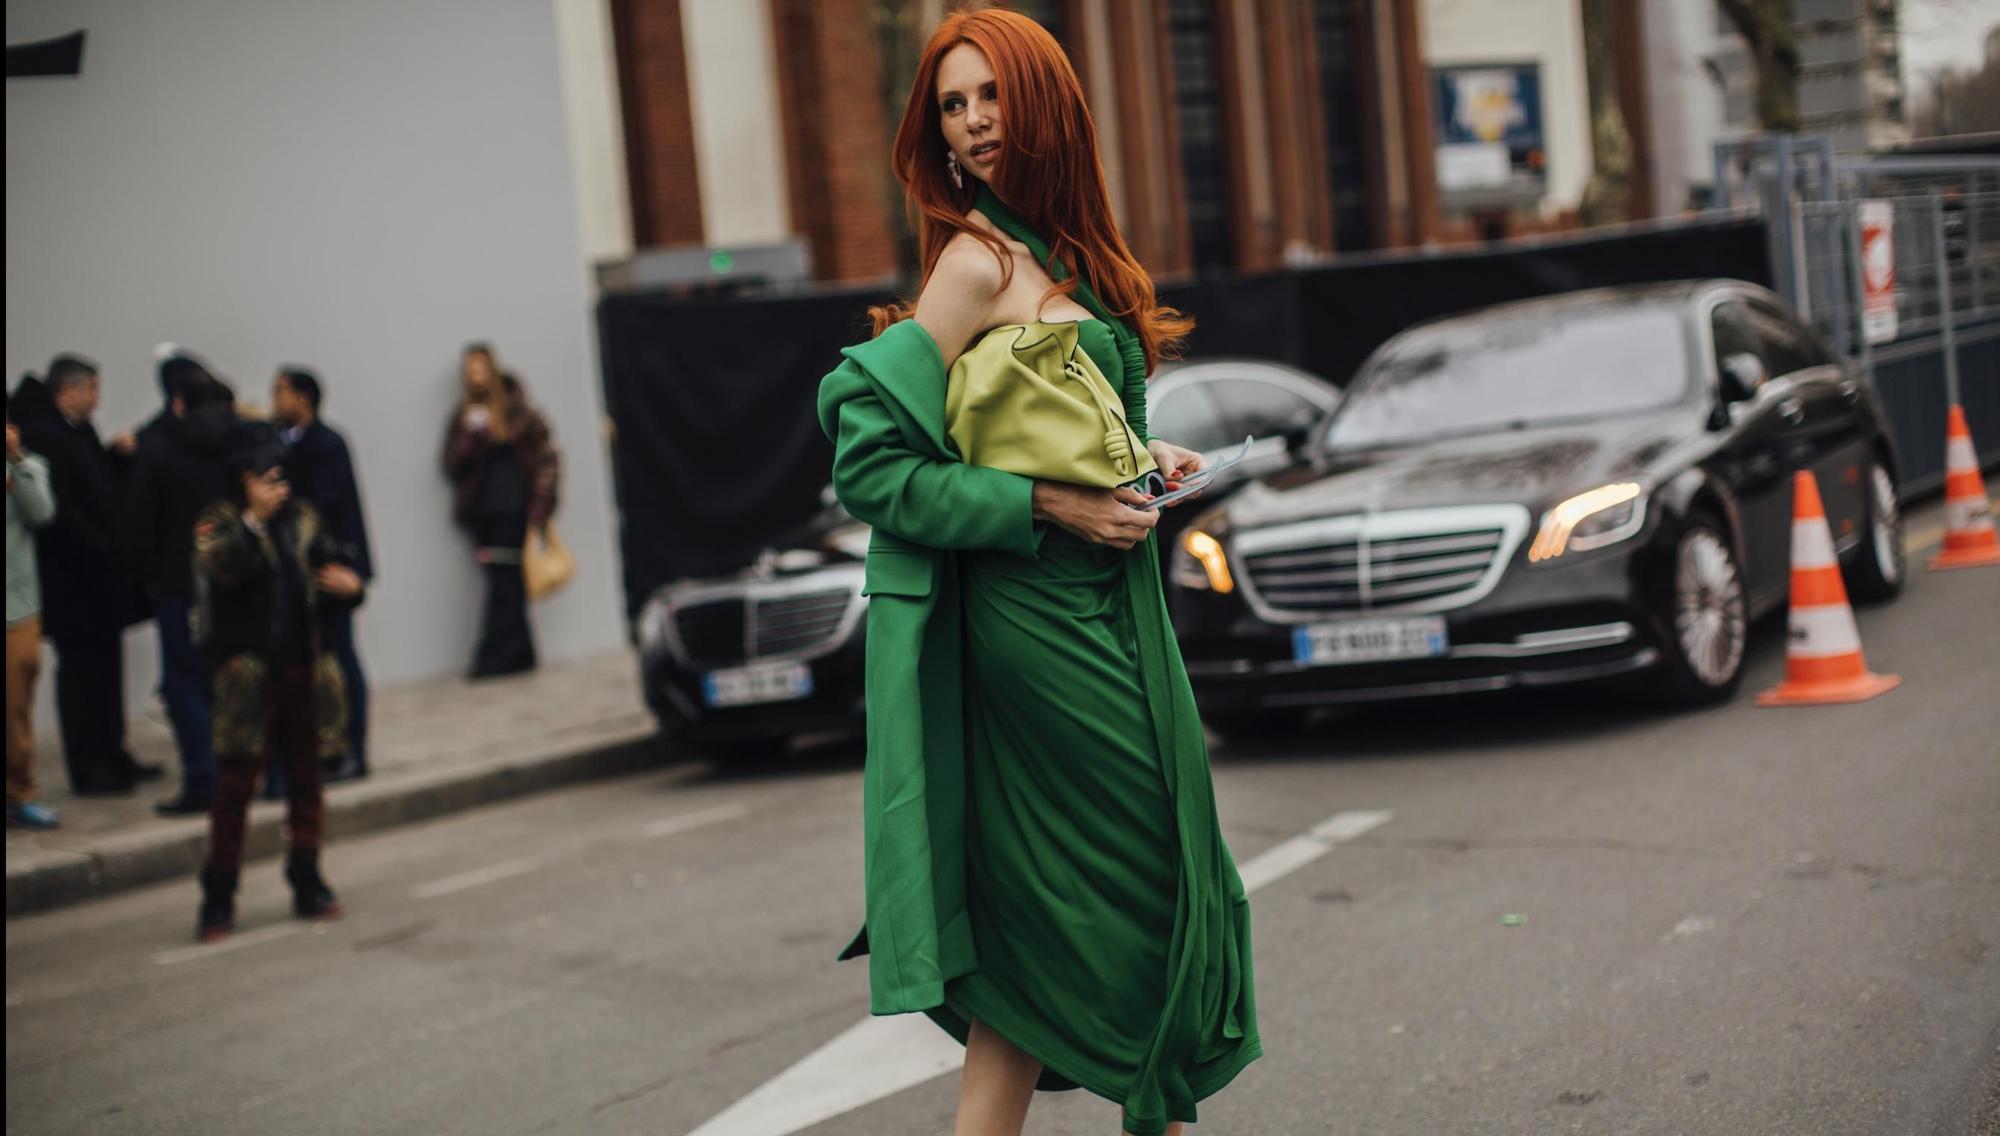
<point>1604,515</point>
<point>1199,563</point>
<point>653,626</point>
<point>850,540</point>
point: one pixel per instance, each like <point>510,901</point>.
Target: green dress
<point>1076,853</point>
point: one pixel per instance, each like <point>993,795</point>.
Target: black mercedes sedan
<point>1562,489</point>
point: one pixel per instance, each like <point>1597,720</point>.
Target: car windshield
<point>1491,374</point>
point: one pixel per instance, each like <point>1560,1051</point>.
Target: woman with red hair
<point>1046,876</point>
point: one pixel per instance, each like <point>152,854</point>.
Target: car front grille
<point>1411,560</point>
<point>786,624</point>
<point>710,632</point>
<point>723,630</point>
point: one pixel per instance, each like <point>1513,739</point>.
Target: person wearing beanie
<point>178,471</point>
<point>267,581</point>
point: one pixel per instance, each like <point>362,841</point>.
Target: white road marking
<point>880,1057</point>
<point>871,1060</point>
<point>1691,926</point>
<point>492,873</point>
<point>261,935</point>
<point>689,821</point>
<point>1281,861</point>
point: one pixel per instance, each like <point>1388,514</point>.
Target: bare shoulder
<point>967,265</point>
<point>959,299</point>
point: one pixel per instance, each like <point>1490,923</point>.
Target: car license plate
<point>762,682</point>
<point>1369,640</point>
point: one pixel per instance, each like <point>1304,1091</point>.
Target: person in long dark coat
<point>504,470</point>
<point>180,469</point>
<point>86,594</point>
<point>322,472</point>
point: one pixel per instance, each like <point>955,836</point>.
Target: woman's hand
<point>1100,516</point>
<point>338,580</point>
<point>1176,463</point>
<point>264,495</point>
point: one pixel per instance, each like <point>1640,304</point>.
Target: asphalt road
<point>1537,915</point>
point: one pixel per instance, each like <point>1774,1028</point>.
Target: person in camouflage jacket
<point>266,578</point>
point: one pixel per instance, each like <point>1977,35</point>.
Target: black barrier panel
<point>718,451</point>
<point>1913,397</point>
<point>717,447</point>
<point>1246,315</point>
<point>59,57</point>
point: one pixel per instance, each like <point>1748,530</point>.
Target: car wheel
<point>1707,620</point>
<point>1878,569</point>
<point>1255,722</point>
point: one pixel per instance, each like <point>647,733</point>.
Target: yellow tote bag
<point>1028,400</point>
<point>546,562</point>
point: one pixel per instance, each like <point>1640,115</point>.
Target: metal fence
<point>1933,339</point>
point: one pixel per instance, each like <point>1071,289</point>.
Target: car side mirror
<point>1742,375</point>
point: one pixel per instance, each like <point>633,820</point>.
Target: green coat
<point>893,468</point>
<point>884,410</point>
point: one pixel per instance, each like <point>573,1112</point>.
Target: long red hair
<point>1048,172</point>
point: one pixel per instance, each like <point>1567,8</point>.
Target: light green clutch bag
<point>1027,399</point>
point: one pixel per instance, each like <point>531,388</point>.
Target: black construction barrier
<point>718,451</point>
<point>717,447</point>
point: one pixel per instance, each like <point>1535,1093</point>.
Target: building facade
<point>1237,135</point>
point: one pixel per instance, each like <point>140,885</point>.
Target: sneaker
<point>32,815</point>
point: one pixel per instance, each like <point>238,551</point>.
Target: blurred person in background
<point>179,470</point>
<point>320,468</point>
<point>504,472</point>
<point>85,589</point>
<point>30,506</point>
<point>270,580</point>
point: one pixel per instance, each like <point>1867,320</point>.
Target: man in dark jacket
<point>180,469</point>
<point>268,581</point>
<point>321,470</point>
<point>85,591</point>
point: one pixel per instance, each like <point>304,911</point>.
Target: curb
<point>44,879</point>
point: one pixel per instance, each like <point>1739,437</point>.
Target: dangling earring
<point>951,165</point>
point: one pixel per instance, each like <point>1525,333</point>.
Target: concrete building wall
<point>362,187</point>
<point>1547,32</point>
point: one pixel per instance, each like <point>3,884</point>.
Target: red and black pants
<point>291,736</point>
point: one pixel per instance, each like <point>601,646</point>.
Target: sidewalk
<point>438,746</point>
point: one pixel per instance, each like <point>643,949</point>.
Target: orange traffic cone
<point>1823,660</point>
<point>1968,517</point>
